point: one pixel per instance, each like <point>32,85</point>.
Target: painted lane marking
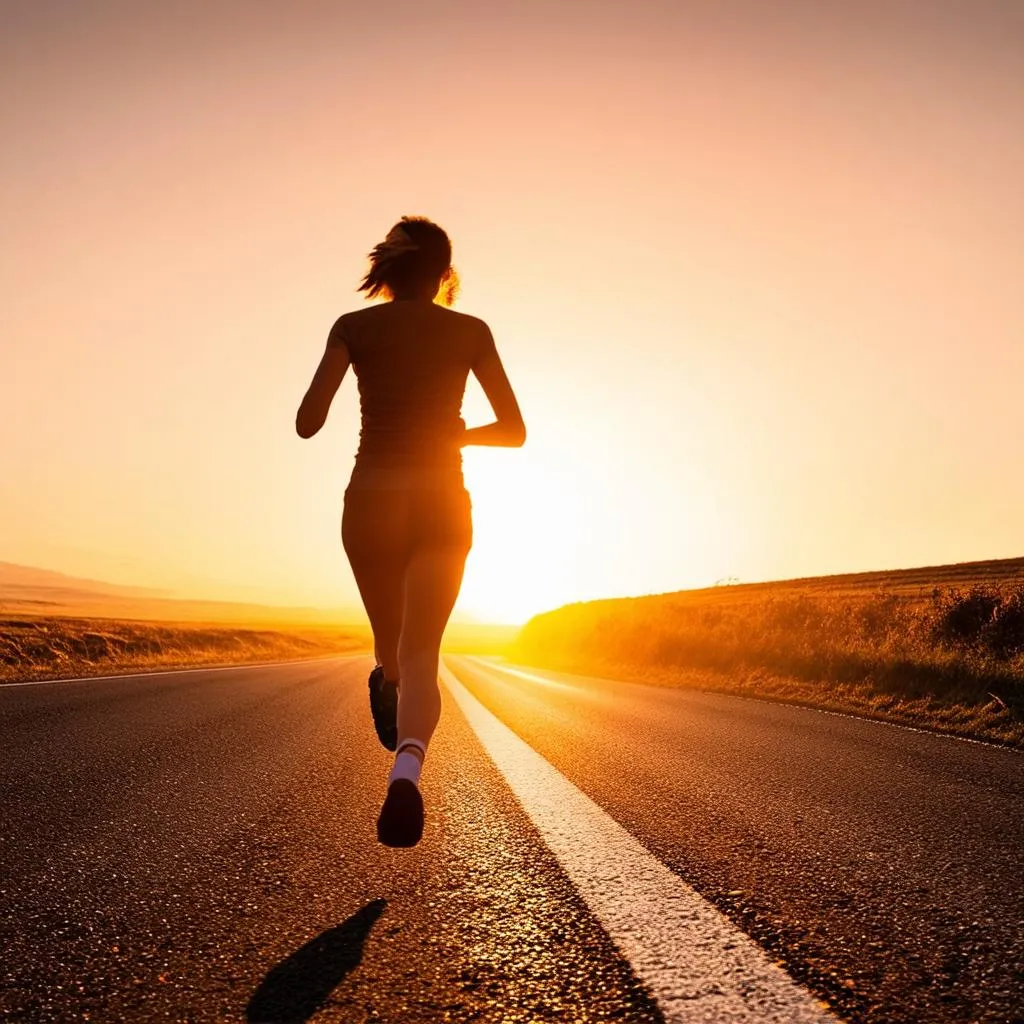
<point>179,671</point>
<point>554,684</point>
<point>697,965</point>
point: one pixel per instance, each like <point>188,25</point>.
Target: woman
<point>407,523</point>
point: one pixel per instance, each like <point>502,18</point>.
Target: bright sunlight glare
<point>523,556</point>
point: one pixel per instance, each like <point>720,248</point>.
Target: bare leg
<point>408,552</point>
<point>374,532</point>
<point>432,581</point>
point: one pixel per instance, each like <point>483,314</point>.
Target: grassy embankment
<point>65,647</point>
<point>62,648</point>
<point>941,647</point>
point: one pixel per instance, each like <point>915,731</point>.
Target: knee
<point>416,658</point>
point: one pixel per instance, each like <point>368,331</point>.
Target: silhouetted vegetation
<point>950,656</point>
<point>55,648</point>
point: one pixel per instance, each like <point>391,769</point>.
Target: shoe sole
<point>400,824</point>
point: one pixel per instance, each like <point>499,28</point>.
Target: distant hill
<point>957,574</point>
<point>903,581</point>
<point>27,590</point>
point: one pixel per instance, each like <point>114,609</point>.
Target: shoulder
<point>473,328</point>
<point>466,320</point>
<point>349,327</point>
<point>356,318</point>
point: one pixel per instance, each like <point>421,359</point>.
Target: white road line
<point>179,671</point>
<point>698,966</point>
<point>552,684</point>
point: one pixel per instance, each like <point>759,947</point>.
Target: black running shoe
<point>384,708</point>
<point>401,818</point>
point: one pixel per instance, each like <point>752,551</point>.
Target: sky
<point>755,271</point>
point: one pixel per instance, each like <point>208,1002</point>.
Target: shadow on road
<point>300,984</point>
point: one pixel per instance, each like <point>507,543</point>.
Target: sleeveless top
<point>411,360</point>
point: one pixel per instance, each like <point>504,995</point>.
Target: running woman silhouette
<point>407,522</point>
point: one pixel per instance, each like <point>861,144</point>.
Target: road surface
<point>200,846</point>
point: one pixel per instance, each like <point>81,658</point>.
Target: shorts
<point>398,522</point>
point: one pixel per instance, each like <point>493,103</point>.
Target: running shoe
<point>384,708</point>
<point>400,823</point>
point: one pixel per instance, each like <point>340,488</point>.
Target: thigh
<point>442,517</point>
<point>441,536</point>
<point>433,579</point>
<point>375,532</point>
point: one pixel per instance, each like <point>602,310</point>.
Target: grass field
<point>55,648</point>
<point>32,647</point>
<point>939,647</point>
<point>56,626</point>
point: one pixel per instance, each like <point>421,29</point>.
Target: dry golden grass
<point>62,648</point>
<point>941,648</point>
<point>66,647</point>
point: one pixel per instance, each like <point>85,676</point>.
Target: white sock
<point>408,762</point>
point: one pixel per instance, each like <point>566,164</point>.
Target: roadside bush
<point>953,645</point>
<point>989,620</point>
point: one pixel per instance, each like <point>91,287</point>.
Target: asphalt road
<point>200,846</point>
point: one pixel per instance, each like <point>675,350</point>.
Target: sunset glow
<point>754,271</point>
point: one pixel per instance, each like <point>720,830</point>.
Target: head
<point>413,262</point>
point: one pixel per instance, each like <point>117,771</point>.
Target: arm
<point>508,429</point>
<point>328,377</point>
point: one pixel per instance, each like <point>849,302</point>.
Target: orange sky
<point>755,271</point>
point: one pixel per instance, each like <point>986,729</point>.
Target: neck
<point>424,293</point>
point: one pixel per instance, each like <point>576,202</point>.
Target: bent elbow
<point>519,436</point>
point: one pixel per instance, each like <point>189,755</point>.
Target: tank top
<point>411,360</point>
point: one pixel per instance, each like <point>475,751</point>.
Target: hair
<point>415,254</point>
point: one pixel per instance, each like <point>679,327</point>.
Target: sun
<point>525,519</point>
